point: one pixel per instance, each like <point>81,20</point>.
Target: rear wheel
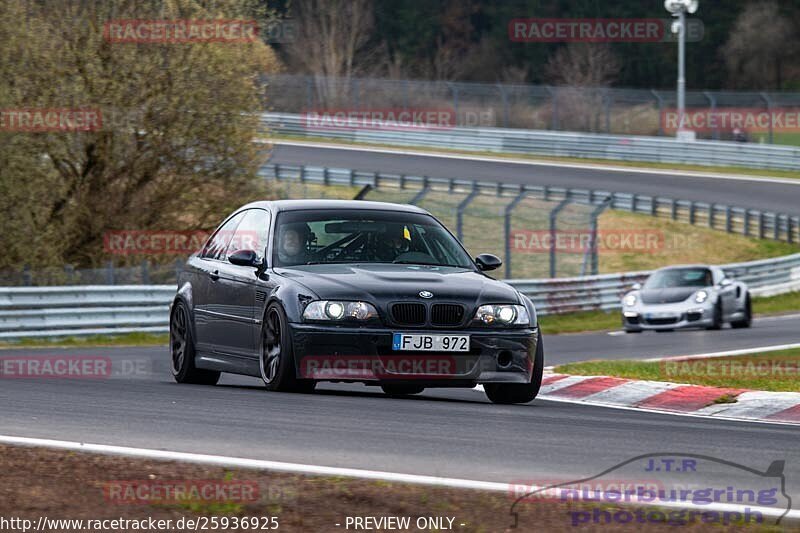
<point>393,389</point>
<point>506,393</point>
<point>276,359</point>
<point>747,321</point>
<point>182,350</point>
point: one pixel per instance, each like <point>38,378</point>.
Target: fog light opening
<point>504,359</point>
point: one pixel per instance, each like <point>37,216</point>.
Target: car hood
<point>383,283</point>
<point>667,296</point>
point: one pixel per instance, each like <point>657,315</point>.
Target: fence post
<point>691,212</point>
<point>145,272</point>
<point>422,192</point>
<point>768,100</point>
<point>504,96</point>
<point>460,212</point>
<point>674,208</point>
<point>69,270</point>
<point>110,273</point>
<point>713,102</point>
<point>761,228</point>
<point>553,217</point>
<point>660,111</point>
<point>711,210</point>
<point>27,276</point>
<point>507,229</point>
<point>593,237</point>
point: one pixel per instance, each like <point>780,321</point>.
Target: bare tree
<point>582,65</point>
<point>332,42</point>
<point>583,71</point>
<point>762,43</point>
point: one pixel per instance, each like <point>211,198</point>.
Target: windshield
<point>364,236</point>
<point>680,277</point>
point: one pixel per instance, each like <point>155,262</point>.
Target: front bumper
<point>364,354</point>
<point>686,314</point>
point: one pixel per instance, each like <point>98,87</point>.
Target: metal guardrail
<point>540,107</point>
<point>748,222</point>
<point>83,310</point>
<point>550,143</point>
<point>92,310</point>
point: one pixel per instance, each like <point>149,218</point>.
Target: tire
<point>276,359</point>
<point>393,389</point>
<point>509,393</point>
<point>627,330</point>
<point>717,323</point>
<point>747,321</point>
<point>183,351</point>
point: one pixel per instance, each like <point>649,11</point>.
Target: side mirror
<point>488,262</point>
<point>247,258</point>
<point>725,282</point>
<point>636,286</point>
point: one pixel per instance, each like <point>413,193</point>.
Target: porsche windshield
<point>680,277</point>
<point>368,236</point>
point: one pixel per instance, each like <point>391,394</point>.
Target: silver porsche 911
<point>691,296</point>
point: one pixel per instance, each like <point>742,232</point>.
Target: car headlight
<point>336,310</point>
<point>630,300</point>
<point>700,296</point>
<point>505,315</point>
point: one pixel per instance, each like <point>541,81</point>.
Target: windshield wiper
<point>420,263</point>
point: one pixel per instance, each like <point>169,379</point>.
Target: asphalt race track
<point>770,196</point>
<point>445,432</point>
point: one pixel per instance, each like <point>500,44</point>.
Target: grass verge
<point>124,339</point>
<point>777,371</point>
<point>40,482</point>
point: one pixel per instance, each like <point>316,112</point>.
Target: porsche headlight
<point>504,315</point>
<point>335,310</point>
<point>630,300</point>
<point>700,296</point>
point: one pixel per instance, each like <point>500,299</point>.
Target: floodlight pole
<point>681,66</point>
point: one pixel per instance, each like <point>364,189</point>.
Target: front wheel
<point>276,360</point>
<point>747,321</point>
<point>182,350</point>
<point>507,393</point>
<point>716,322</point>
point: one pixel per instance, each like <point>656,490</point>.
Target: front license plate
<point>430,343</point>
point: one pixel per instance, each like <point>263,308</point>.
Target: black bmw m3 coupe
<point>301,291</point>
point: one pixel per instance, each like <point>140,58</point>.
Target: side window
<point>251,234</point>
<point>218,243</point>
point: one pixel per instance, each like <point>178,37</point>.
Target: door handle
<point>214,275</point>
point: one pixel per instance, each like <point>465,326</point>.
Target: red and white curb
<point>676,398</point>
